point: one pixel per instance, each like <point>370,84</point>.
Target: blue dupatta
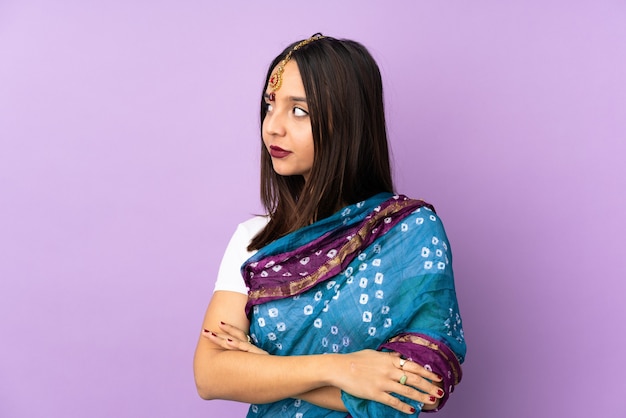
<point>378,275</point>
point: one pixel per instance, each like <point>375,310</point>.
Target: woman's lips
<point>278,152</point>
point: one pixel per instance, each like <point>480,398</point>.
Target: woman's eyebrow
<point>290,98</point>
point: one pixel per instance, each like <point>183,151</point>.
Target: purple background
<point>129,152</point>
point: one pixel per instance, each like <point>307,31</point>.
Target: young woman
<point>341,300</point>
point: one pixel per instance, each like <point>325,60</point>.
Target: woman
<point>345,302</point>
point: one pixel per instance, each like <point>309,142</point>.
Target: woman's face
<point>287,133</point>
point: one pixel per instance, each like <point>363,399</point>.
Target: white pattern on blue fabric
<point>378,278</point>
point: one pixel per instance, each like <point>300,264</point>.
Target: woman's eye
<point>300,112</point>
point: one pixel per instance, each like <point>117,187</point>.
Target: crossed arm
<point>226,366</point>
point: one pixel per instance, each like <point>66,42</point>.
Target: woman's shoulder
<point>244,233</point>
<point>229,276</point>
<point>423,220</point>
<point>252,226</point>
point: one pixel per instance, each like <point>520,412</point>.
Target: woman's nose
<point>274,124</point>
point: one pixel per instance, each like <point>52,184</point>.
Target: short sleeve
<point>229,274</point>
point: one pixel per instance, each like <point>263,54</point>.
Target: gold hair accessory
<point>276,80</point>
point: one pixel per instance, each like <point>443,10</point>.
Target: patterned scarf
<point>377,274</point>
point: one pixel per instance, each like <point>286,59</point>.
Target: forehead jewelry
<point>276,80</point>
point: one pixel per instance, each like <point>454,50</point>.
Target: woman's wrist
<point>329,367</point>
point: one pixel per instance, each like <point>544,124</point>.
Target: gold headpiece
<point>276,80</point>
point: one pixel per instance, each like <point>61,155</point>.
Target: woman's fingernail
<point>439,392</point>
<point>222,323</point>
<point>229,340</point>
<point>206,330</point>
<point>412,410</point>
<point>433,399</point>
<point>213,334</point>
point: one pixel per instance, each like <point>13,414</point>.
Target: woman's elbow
<point>205,395</point>
<point>205,385</point>
<point>205,390</point>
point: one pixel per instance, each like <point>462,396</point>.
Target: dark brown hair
<point>351,158</point>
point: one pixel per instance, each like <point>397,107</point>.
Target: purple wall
<point>128,153</point>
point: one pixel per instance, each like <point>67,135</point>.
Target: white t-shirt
<point>229,275</point>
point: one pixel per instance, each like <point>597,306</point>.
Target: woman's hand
<point>232,338</point>
<point>374,375</point>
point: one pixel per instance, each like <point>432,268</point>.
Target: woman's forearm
<point>257,378</point>
<point>328,397</point>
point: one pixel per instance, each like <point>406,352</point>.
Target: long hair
<point>351,157</point>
